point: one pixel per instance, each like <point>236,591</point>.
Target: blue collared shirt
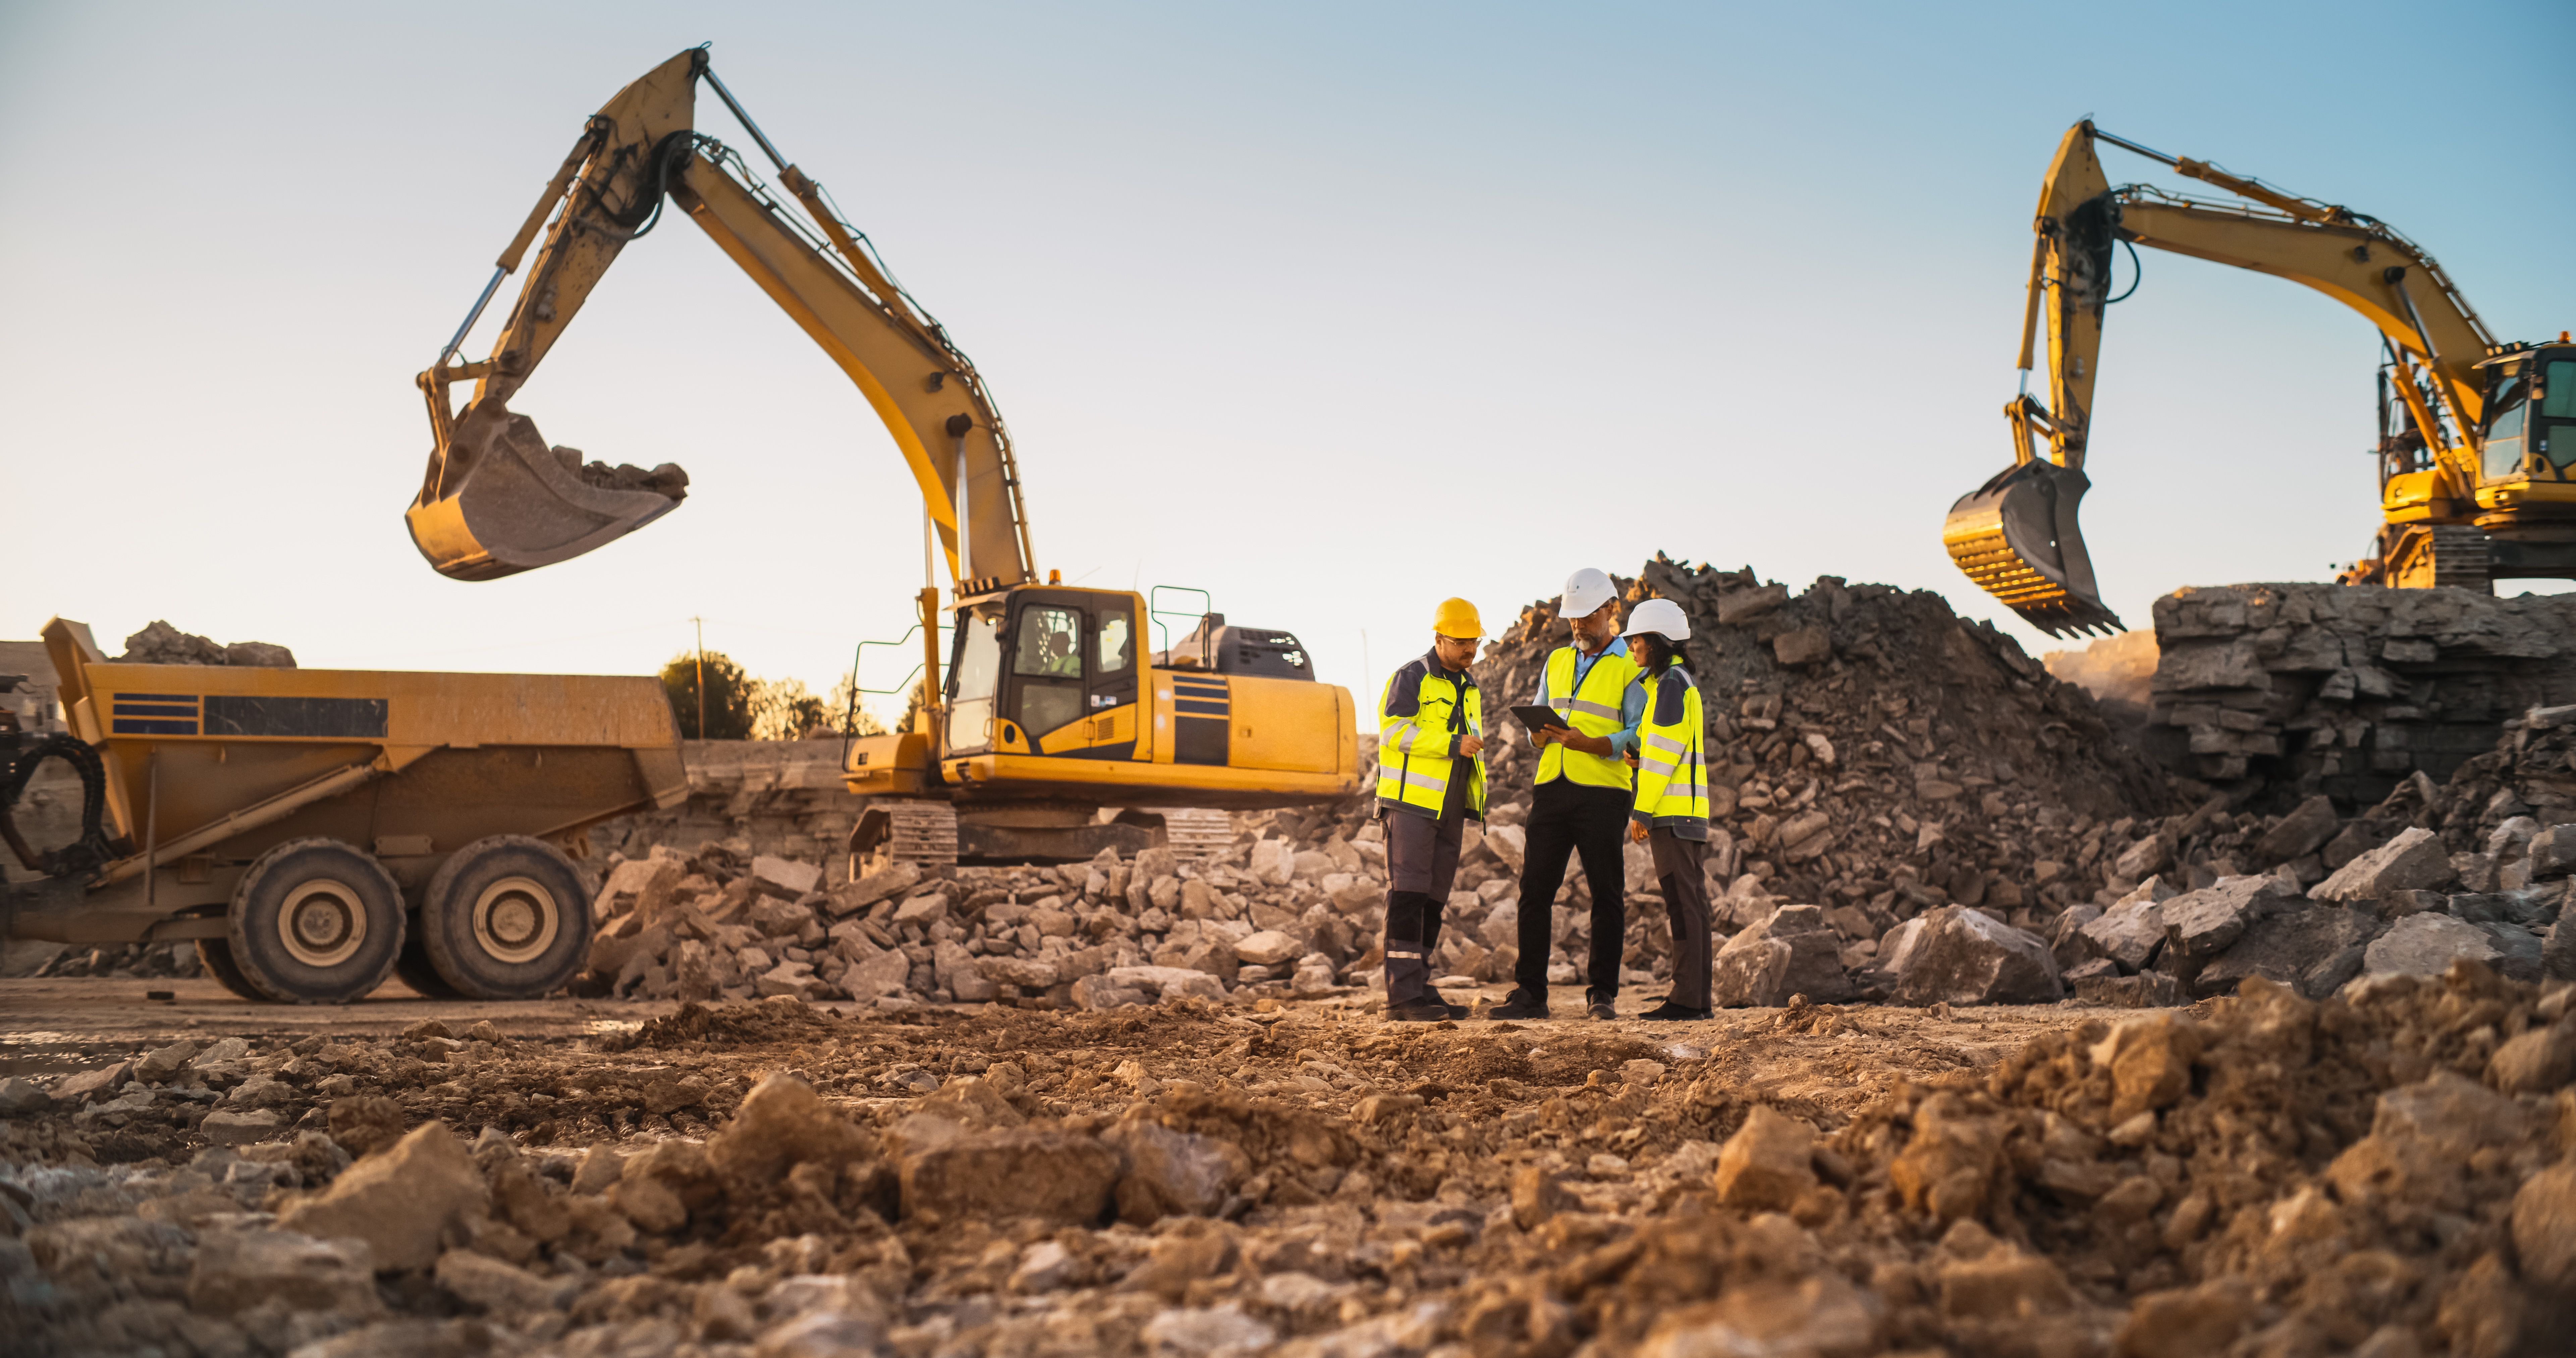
<point>1632,704</point>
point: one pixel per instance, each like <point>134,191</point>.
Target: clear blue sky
<point>1332,310</point>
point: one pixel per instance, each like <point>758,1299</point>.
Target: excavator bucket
<point>2016,537</point>
<point>501,501</point>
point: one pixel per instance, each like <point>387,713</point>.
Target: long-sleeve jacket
<point>1423,715</point>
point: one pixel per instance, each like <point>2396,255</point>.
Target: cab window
<point>1049,644</point>
<point>2501,458</point>
<point>1117,646</point>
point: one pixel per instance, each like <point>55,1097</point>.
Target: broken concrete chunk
<point>2300,833</point>
<point>1049,1175</point>
<point>2553,852</point>
<point>1768,1164</point>
<point>784,877</point>
<point>782,1123</point>
<point>2426,945</point>
<point>401,1201</point>
<point>2414,861</point>
<point>1793,952</point>
<point>2203,923</point>
<point>1173,1173</point>
<point>238,1269</point>
<point>2128,933</point>
<point>1963,956</point>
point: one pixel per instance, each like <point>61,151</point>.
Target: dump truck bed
<point>209,766</point>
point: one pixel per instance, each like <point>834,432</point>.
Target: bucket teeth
<point>2016,537</point>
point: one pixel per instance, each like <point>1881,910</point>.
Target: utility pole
<point>702,676</point>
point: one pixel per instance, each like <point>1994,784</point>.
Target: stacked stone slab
<point>2278,692</point>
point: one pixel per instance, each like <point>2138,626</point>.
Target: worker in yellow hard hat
<point>1430,783</point>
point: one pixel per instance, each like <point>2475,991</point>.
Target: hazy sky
<point>1331,310</point>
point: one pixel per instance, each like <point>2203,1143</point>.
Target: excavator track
<point>2441,556</point>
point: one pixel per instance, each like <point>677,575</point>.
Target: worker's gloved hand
<point>1471,746</point>
<point>1637,831</point>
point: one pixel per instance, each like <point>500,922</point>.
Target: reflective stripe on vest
<point>1672,767</point>
<point>1583,709</point>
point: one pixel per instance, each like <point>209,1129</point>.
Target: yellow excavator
<point>2474,450</point>
<point>1053,707</point>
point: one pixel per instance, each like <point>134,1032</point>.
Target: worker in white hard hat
<point>1430,783</point>
<point>1580,801</point>
<point>1670,812</point>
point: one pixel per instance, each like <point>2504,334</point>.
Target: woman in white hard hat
<point>1670,813</point>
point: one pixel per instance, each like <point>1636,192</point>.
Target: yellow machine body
<point>209,766</point>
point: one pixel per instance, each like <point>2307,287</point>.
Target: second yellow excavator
<point>2475,448</point>
<point>1053,706</point>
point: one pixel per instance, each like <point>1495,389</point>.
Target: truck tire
<point>216,956</point>
<point>506,918</point>
<point>315,921</point>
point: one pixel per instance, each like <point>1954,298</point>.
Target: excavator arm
<point>2017,536</point>
<point>497,500</point>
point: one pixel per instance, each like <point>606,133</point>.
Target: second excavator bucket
<point>2016,537</point>
<point>502,502</point>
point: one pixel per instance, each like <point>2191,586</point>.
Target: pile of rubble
<point>1269,921</point>
<point>162,644</point>
<point>2387,1172</point>
<point>2281,692</point>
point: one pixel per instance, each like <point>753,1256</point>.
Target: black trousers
<point>1422,864</point>
<point>1679,863</point>
<point>1568,819</point>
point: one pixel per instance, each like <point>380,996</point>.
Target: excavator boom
<point>497,500</point>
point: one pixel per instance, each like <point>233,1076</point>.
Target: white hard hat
<point>1586,590</point>
<point>1661,616</point>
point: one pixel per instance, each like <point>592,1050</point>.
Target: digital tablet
<point>1539,718</point>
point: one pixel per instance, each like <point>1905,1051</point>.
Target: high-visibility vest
<point>1592,709</point>
<point>1421,714</point>
<point>1672,762</point>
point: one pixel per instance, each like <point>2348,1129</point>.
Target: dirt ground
<point>2260,1175</point>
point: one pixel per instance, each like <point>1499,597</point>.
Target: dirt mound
<point>781,1019</point>
<point>1868,747</point>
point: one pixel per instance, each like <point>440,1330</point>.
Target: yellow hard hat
<point>1457,618</point>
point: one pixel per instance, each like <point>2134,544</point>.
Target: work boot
<point>1600,1008</point>
<point>1520,1004</point>
<point>1419,1011</point>
<point>1456,1010</point>
<point>1670,1012</point>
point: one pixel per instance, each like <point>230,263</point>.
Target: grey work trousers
<point>1679,864</point>
<point>1421,864</point>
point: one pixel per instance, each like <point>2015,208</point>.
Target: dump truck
<point>314,831</point>
<point>1051,710</point>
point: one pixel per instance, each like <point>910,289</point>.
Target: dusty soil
<point>2265,1173</point>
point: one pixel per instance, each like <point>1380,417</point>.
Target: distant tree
<point>731,696</point>
<point>784,709</point>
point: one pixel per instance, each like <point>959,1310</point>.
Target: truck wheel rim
<point>323,923</point>
<point>516,920</point>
